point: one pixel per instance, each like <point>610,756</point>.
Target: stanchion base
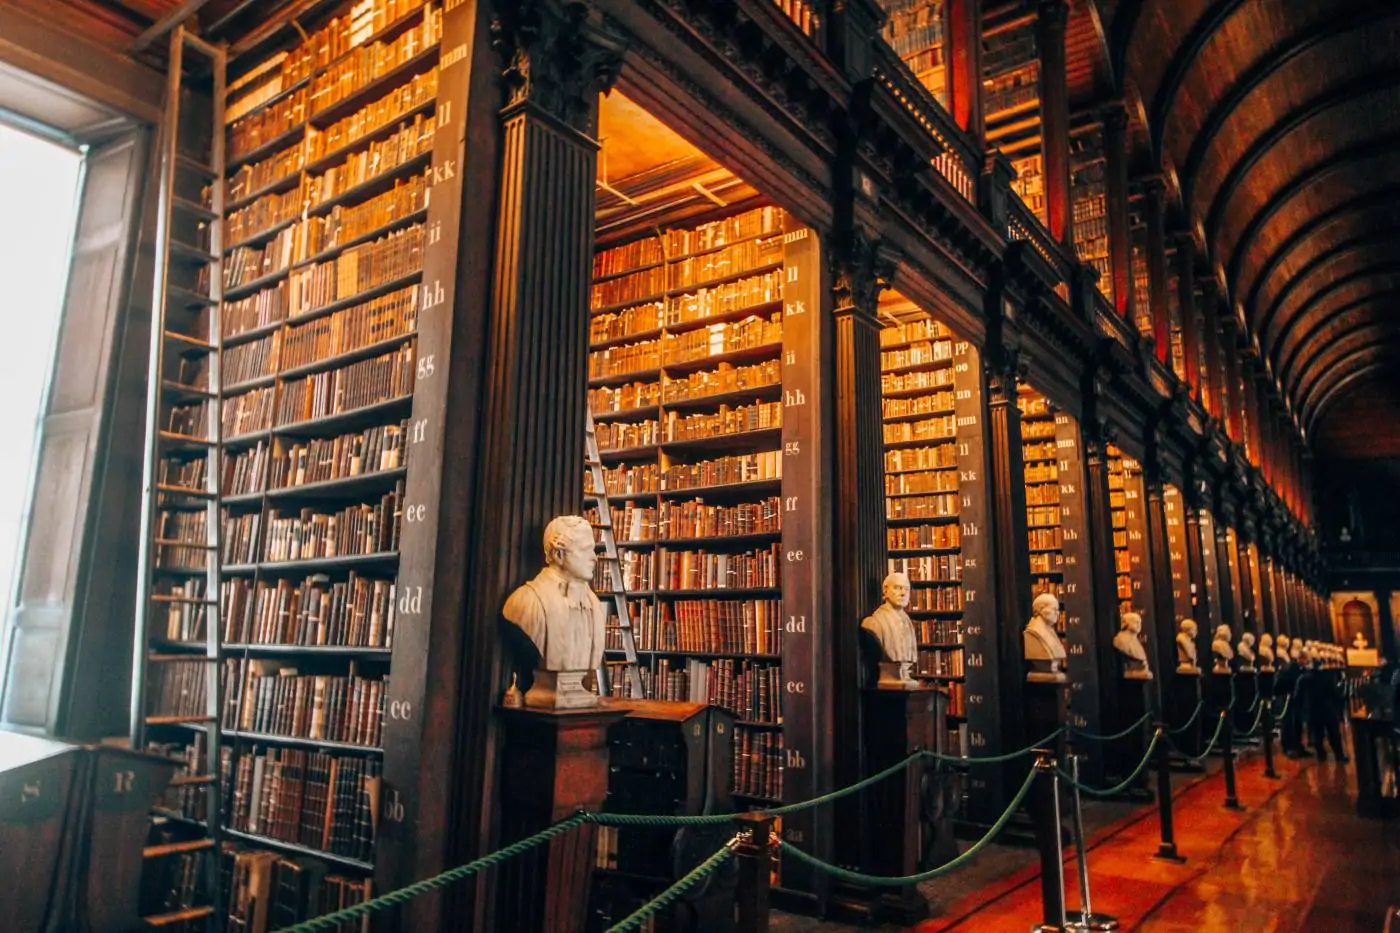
<point>1271,774</point>
<point>1234,805</point>
<point>1093,922</point>
<point>1165,854</point>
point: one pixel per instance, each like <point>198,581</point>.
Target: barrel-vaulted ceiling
<point>1280,120</point>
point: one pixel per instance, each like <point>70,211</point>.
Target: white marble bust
<point>1245,652</point>
<point>1041,643</point>
<point>892,630</point>
<point>1282,652</point>
<point>1220,647</point>
<point>1186,648</point>
<point>562,617</point>
<point>1266,653</point>
<point>1128,643</point>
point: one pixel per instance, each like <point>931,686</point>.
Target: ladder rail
<point>613,559</point>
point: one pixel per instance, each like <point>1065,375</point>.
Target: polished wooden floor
<point>1297,858</point>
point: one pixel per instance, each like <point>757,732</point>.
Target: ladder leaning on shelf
<point>175,684</point>
<point>597,494</point>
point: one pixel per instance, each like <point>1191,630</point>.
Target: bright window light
<point>38,205</point>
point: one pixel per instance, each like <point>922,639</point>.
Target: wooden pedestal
<point>899,834</point>
<point>1122,755</point>
<point>1186,692</point>
<point>553,765</point>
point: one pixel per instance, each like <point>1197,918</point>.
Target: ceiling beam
<point>1331,316</point>
<point>1338,349</point>
<point>1381,83</point>
<point>1345,378</point>
<point>1385,198</point>
<point>1125,20</point>
<point>1277,356</point>
<point>1378,148</point>
<point>1370,238</point>
<point>1185,55</point>
<point>1272,62</point>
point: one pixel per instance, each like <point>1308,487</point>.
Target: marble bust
<point>1220,647</point>
<point>1186,648</point>
<point>1282,652</point>
<point>1245,651</point>
<point>889,625</point>
<point>562,617</point>
<point>1128,644</point>
<point>1044,651</point>
<point>1266,653</point>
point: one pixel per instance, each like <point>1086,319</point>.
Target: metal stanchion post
<point>1227,739</point>
<point>1269,771</point>
<point>1166,852</point>
<point>1046,814</point>
<point>755,868</point>
<point>1088,920</point>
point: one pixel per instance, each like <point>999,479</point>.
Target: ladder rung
<point>190,779</point>
<point>179,916</point>
<point>184,491</point>
<point>171,542</point>
<point>183,600</point>
<point>176,388</point>
<point>190,299</point>
<point>194,165</point>
<point>198,210</point>
<point>176,848</point>
<point>192,252</point>
<point>195,342</point>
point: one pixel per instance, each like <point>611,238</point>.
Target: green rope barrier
<point>990,759</point>
<point>667,897</point>
<point>1124,784</point>
<point>418,888</point>
<point>1258,718</point>
<point>1117,735</point>
<point>845,874</point>
<point>1200,705</point>
<point>1197,759</point>
<point>1284,712</point>
<point>1257,698</point>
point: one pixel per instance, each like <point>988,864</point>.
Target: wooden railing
<point>804,13</point>
<point>1023,224</point>
<point>959,162</point>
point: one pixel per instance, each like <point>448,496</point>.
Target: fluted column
<point>1120,238</point>
<point>1154,194</point>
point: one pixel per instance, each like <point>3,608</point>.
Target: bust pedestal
<point>1219,688</point>
<point>1121,756</point>
<point>1185,693</point>
<point>895,837</point>
<point>554,762</point>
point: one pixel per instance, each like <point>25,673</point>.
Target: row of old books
<point>937,505</point>
<point>269,891</point>
<point>702,570</point>
<point>357,612</point>
<point>261,697</point>
<point>941,567</point>
<point>722,626</point>
<point>178,688</point>
<point>758,764</point>
<point>934,403</point>
<point>906,484</point>
<point>920,458</point>
<point>316,799</point>
<point>922,537</point>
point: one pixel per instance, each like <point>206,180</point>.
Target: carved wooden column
<point>1268,608</point>
<point>1054,120</point>
<point>1159,559</point>
<point>964,22</point>
<point>1246,610</point>
<point>1193,501</point>
<point>1096,435</point>
<point>1120,239</point>
<point>536,341</point>
<point>1006,487</point>
<point>1186,304</point>
<point>860,269</point>
<point>1154,193</point>
<point>1214,346</point>
<point>1224,517</point>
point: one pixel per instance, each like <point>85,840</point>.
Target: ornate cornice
<point>862,266</point>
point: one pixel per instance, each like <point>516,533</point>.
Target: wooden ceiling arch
<point>1366,335</point>
<point>1348,431</point>
<point>1373,360</point>
<point>1271,300</point>
<point>1282,120</point>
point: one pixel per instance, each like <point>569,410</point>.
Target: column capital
<point>1114,114</point>
<point>1053,13</point>
<point>555,60</point>
<point>861,266</point>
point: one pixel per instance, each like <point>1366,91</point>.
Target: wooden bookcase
<point>1128,508</point>
<point>330,313</point>
<point>1088,187</point>
<point>1176,351</point>
<point>931,384</point>
<point>1011,98</point>
<point>1183,587</point>
<point>1056,523</point>
<point>917,31</point>
<point>1211,583</point>
<point>1142,286</point>
<point>703,368</point>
